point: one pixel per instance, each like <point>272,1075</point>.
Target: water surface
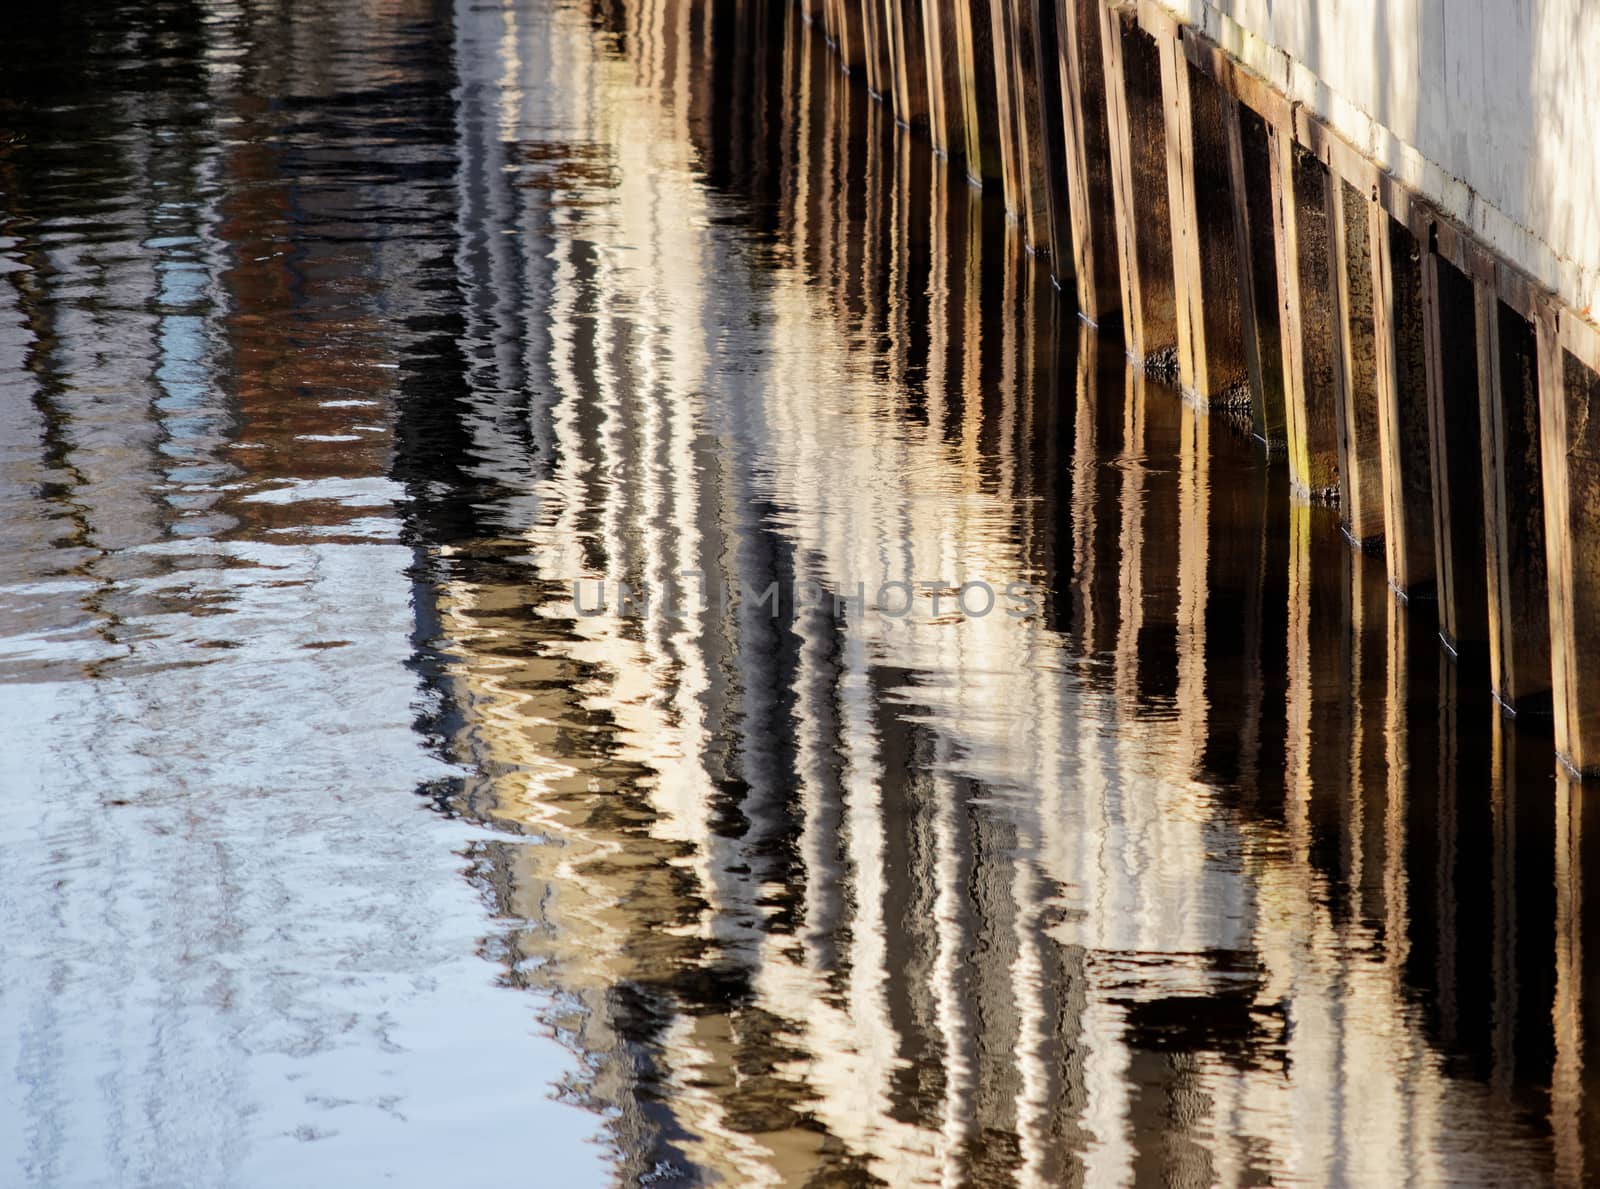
<point>340,845</point>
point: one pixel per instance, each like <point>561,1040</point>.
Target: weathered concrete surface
<point>1485,107</point>
<point>1360,444</point>
<point>1519,592</point>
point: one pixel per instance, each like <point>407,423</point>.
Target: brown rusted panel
<point>1086,106</point>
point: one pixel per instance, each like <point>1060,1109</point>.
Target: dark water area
<point>342,844</point>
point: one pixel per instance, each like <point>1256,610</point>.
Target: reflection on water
<point>235,948</point>
<point>337,341</point>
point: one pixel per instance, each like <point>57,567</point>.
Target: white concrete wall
<point>1489,107</point>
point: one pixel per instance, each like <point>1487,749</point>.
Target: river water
<point>351,354</point>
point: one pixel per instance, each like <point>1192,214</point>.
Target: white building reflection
<point>934,900</point>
